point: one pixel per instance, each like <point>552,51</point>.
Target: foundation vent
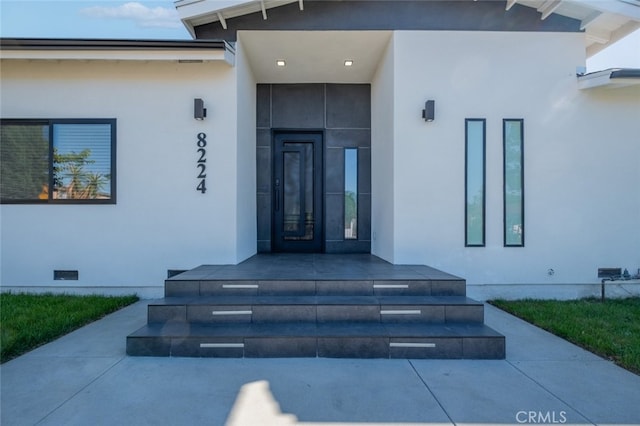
<point>59,275</point>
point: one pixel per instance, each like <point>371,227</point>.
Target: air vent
<point>65,275</point>
<point>609,272</point>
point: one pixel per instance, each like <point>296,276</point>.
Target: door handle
<point>277,189</point>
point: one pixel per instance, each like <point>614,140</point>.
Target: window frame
<point>50,122</point>
<point>466,181</point>
<point>504,181</point>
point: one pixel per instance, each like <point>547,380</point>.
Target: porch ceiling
<point>314,56</point>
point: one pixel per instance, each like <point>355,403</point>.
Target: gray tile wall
<point>343,112</point>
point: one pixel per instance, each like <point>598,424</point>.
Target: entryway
<point>313,151</point>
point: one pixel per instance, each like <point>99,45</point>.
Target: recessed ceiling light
<point>281,63</point>
<point>348,63</point>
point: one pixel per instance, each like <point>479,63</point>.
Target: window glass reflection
<point>351,193</point>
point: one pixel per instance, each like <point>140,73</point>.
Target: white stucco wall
<point>582,174</point>
<point>160,221</point>
<point>382,164</point>
<point>582,167</point>
<point>246,203</point>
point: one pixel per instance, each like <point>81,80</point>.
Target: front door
<point>297,192</point>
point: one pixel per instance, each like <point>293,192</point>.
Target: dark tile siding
<point>343,112</point>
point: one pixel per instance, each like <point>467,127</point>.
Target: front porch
<point>316,305</point>
<point>313,267</point>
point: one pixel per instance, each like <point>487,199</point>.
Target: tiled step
<point>261,309</point>
<point>181,287</point>
<point>330,340</point>
<point>316,305</point>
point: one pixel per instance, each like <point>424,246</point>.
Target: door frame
<point>317,244</point>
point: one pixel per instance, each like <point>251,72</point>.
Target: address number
<point>201,165</point>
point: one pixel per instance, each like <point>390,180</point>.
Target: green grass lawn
<point>29,320</point>
<point>610,329</point>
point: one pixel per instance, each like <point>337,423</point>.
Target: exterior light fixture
<point>429,111</point>
<point>199,111</point>
<point>348,63</point>
<point>281,62</point>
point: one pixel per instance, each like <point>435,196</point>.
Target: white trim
<point>120,55</point>
<point>603,78</point>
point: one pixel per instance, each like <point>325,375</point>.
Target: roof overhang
<point>117,50</point>
<point>611,79</point>
<point>199,12</point>
<point>603,21</point>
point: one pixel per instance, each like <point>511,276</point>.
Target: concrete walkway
<point>85,378</point>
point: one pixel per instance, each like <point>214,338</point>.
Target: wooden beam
<point>223,21</point>
<point>548,8</point>
<point>589,19</point>
<point>264,10</point>
<point>598,36</point>
<point>301,3</point>
<point>510,4</point>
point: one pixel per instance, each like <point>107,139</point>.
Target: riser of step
<point>185,288</point>
<point>212,314</point>
<point>308,347</point>
<point>324,347</point>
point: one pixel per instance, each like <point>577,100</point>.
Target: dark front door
<point>297,192</point>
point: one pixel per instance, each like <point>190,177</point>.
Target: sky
<point>158,19</point>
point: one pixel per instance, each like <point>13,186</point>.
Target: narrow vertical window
<point>474,182</point>
<point>350,193</point>
<point>513,138</point>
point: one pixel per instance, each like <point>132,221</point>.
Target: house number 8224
<point>201,163</point>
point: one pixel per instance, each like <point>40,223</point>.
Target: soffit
<point>313,56</point>
<point>200,12</point>
<point>603,21</point>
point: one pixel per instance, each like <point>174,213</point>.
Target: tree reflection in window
<point>81,161</point>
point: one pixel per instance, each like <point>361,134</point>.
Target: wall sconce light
<point>199,111</point>
<point>429,111</point>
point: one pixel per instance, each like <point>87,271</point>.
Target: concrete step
<point>321,309</point>
<point>180,287</point>
<point>329,340</point>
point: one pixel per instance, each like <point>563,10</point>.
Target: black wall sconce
<point>429,111</point>
<point>199,111</point>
